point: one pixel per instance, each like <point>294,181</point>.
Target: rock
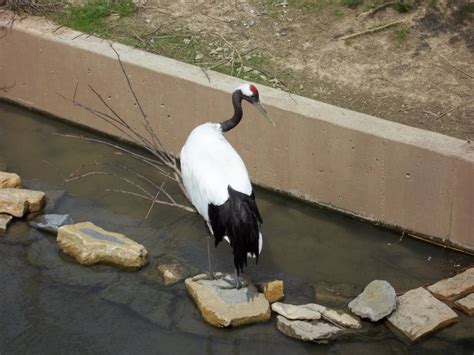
<point>377,301</point>
<point>4,220</point>
<point>169,271</point>
<point>51,222</point>
<point>310,311</point>
<point>341,318</point>
<point>308,331</point>
<point>466,304</point>
<point>9,180</point>
<point>454,287</point>
<point>419,313</point>
<point>313,311</point>
<point>198,56</point>
<point>90,244</point>
<point>272,290</point>
<point>222,307</point>
<point>13,204</point>
<point>17,197</point>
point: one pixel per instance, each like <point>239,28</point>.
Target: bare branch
<point>154,200</point>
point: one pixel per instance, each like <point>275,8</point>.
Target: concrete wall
<point>400,176</point>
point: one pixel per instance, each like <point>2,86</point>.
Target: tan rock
<point>466,304</point>
<point>35,200</point>
<point>341,318</point>
<point>273,290</point>
<point>223,307</point>
<point>172,273</point>
<point>4,220</point>
<point>9,180</point>
<point>454,287</point>
<point>90,244</point>
<point>310,311</point>
<point>13,204</point>
<point>419,313</point>
<point>308,331</point>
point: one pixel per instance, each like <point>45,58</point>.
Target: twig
<point>454,108</point>
<point>372,30</point>
<point>154,199</point>
<point>371,12</point>
<point>430,113</point>
<point>460,70</point>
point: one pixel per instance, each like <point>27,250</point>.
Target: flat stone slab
<point>223,307</point>
<point>419,313</point>
<point>313,311</point>
<point>377,301</point>
<point>90,244</point>
<point>273,290</point>
<point>466,304</point>
<point>308,331</point>
<point>310,311</point>
<point>4,220</point>
<point>12,204</point>
<point>454,287</point>
<point>9,180</point>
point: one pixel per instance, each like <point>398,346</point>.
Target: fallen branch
<point>372,30</point>
<point>373,11</point>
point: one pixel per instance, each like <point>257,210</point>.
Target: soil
<point>419,72</point>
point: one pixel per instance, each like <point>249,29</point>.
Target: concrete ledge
<point>382,171</point>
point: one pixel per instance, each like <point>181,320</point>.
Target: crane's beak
<point>262,110</point>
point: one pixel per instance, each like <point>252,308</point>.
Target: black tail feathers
<point>238,219</point>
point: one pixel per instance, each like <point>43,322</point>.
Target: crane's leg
<point>233,282</point>
<point>210,275</point>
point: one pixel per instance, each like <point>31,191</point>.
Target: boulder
<point>310,311</point>
<point>4,220</point>
<point>12,203</point>
<point>9,180</point>
<point>419,313</point>
<point>308,331</point>
<point>272,290</point>
<point>223,307</point>
<point>454,287</point>
<point>466,304</point>
<point>377,301</point>
<point>90,244</point>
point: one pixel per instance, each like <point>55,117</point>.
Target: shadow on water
<point>50,304</point>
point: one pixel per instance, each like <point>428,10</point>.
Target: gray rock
<point>51,222</point>
<point>454,287</point>
<point>308,331</point>
<point>377,301</point>
<point>4,220</point>
<point>310,311</point>
<point>419,313</point>
<point>466,304</point>
<point>222,307</point>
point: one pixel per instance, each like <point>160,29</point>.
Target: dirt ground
<point>417,72</point>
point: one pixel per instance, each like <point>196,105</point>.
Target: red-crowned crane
<point>218,184</point>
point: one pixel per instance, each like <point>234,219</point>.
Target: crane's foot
<point>210,276</point>
<point>233,281</point>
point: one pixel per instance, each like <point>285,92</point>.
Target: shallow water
<point>49,304</point>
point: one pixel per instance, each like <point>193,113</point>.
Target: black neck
<point>237,117</point>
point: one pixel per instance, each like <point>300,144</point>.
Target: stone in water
<point>4,220</point>
<point>9,180</point>
<point>466,304</point>
<point>273,290</point>
<point>454,287</point>
<point>310,311</point>
<point>377,301</point>
<point>308,331</point>
<point>419,313</point>
<point>12,203</point>
<point>223,307</point>
<point>90,244</point>
<point>51,222</point>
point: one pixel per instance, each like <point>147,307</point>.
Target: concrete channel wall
<point>416,180</point>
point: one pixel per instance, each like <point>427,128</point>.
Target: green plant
<point>402,7</point>
<point>89,16</point>
<point>401,34</point>
<point>433,4</point>
<point>351,3</point>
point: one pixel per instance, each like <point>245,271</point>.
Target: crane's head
<point>250,93</point>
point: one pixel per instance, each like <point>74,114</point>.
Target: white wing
<point>209,164</point>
